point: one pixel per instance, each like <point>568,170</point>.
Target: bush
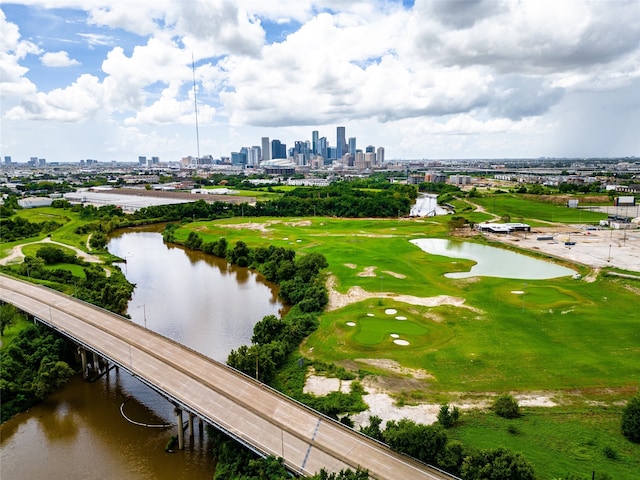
<point>448,417</point>
<point>496,464</point>
<point>610,452</point>
<point>506,406</point>
<point>631,420</point>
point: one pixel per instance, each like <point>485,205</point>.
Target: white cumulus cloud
<point>58,59</point>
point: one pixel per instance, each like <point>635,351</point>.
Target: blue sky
<point>111,80</point>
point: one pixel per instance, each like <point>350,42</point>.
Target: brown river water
<point>80,432</point>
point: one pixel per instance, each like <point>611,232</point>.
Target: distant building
<point>266,150</point>
<point>380,155</point>
<point>239,158</point>
<point>278,149</point>
<point>142,161</point>
<point>369,160</point>
<point>323,149</point>
<point>502,228</point>
<point>460,179</point>
<point>352,146</point>
<point>341,142</point>
<point>254,155</point>
<point>431,177</point>
<point>7,160</point>
<point>33,202</point>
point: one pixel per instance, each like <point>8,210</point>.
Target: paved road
<point>258,416</point>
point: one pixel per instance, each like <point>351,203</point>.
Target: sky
<point>425,79</point>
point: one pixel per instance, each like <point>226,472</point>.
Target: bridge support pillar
<point>191,433</point>
<point>96,363</point>
<point>180,428</point>
<point>201,427</point>
<point>83,356</point>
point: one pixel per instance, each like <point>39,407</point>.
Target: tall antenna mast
<point>195,104</point>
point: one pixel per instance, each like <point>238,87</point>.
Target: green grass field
<point>560,334</point>
<point>535,210</point>
<point>558,441</point>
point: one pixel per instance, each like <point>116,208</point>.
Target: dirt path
<point>16,255</point>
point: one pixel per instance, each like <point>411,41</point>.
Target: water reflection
<point>492,261</point>
<point>193,298</point>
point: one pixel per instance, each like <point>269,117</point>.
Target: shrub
<point>631,420</point>
<point>448,417</point>
<point>506,406</point>
<point>610,452</point>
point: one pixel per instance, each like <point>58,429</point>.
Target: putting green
<point>375,330</point>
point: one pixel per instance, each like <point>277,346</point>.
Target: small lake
<point>492,261</point>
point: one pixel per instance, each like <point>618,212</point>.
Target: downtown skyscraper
<point>341,143</point>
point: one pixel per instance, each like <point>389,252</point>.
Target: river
<point>79,432</point>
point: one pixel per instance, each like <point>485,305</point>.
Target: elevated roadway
<point>261,418</point>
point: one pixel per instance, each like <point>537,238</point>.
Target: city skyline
<point>425,79</point>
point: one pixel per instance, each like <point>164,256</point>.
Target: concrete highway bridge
<point>261,418</point>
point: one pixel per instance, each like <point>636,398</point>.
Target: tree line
<point>338,200</point>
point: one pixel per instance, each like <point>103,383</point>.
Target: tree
<point>347,474</point>
<point>631,420</point>
<point>98,240</point>
<point>8,316</point>
<point>424,442</point>
<point>448,417</point>
<point>220,248</point>
<point>268,329</point>
<point>373,429</point>
<point>51,255</point>
<point>52,375</point>
<point>193,241</point>
<point>496,464</point>
<point>506,406</point>
<point>308,266</point>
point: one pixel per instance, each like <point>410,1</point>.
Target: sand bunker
<point>517,292</point>
<point>400,317</point>
<point>357,294</point>
<point>390,311</point>
<point>395,335</point>
<point>370,315</point>
<point>394,274</point>
<point>368,272</point>
<point>351,324</point>
<point>401,342</point>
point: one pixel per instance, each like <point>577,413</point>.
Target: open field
<point>538,210</point>
<point>558,335</point>
<point>558,441</point>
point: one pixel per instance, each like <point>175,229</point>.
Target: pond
<point>492,261</point>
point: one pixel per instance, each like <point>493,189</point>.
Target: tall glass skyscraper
<point>352,146</point>
<point>341,144</point>
<point>266,149</point>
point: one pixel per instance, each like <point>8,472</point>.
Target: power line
<point>195,104</point>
